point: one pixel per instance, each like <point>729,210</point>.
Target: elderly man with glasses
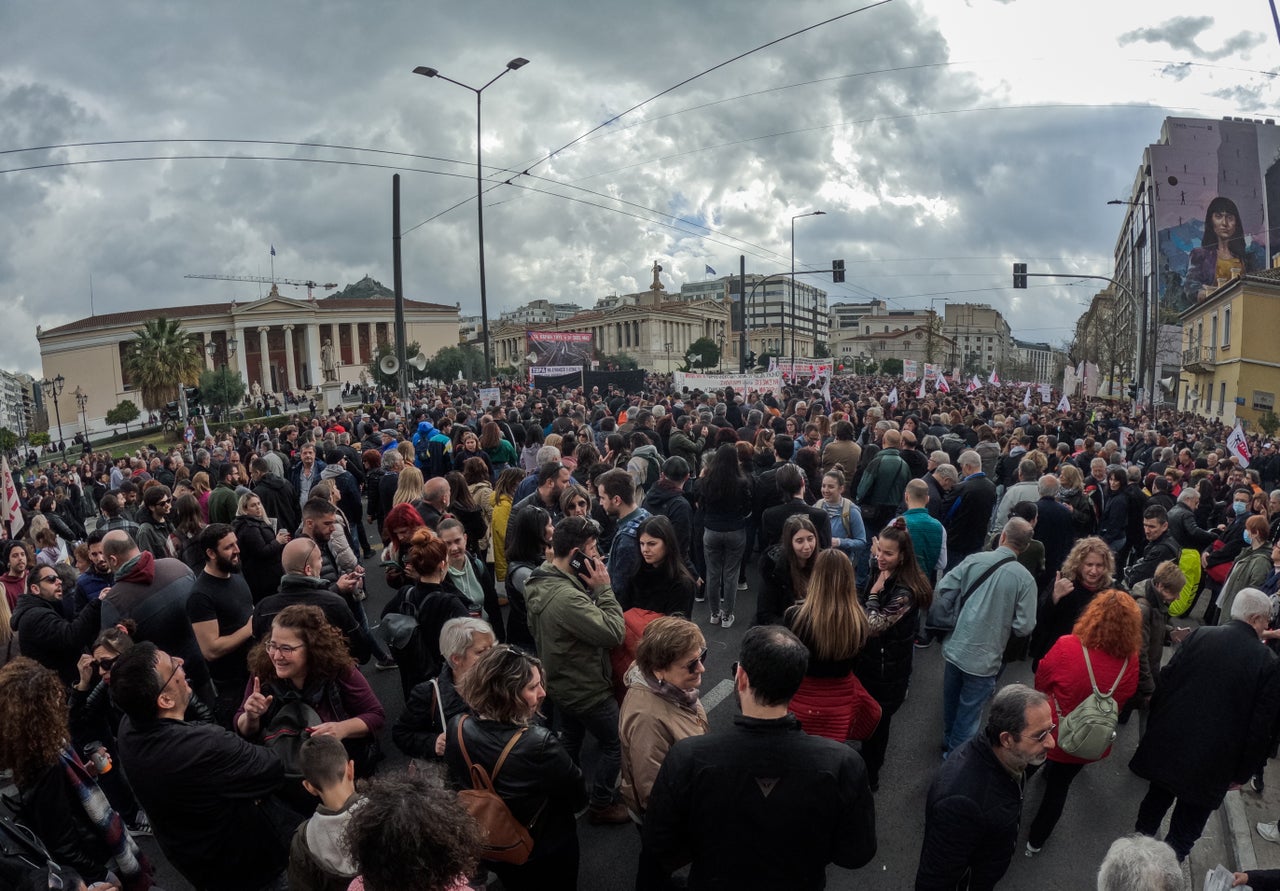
<point>44,634</point>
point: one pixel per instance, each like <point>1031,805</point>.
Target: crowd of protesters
<point>185,637</point>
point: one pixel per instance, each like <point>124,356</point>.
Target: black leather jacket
<point>539,781</point>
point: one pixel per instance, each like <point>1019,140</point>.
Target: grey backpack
<point>1088,730</point>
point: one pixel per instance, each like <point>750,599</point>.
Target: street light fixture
<point>514,65</point>
<point>812,213</point>
<point>667,346</point>
<point>82,400</point>
<point>53,389</point>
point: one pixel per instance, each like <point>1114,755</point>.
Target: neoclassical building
<point>650,326</point>
<point>276,342</point>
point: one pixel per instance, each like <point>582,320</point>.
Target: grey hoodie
<point>318,859</point>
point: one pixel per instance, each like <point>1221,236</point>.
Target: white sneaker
<point>715,618</point>
<point>726,620</point>
<point>1269,831</point>
<point>742,586</point>
<point>1032,850</point>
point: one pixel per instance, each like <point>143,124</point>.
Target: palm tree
<point>163,356</point>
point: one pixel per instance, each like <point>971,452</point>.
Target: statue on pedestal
<point>328,368</point>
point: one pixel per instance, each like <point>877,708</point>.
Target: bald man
<point>303,584</point>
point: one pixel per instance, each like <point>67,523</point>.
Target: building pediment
<point>272,305</point>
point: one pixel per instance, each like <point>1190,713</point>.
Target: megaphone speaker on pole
<point>389,365</point>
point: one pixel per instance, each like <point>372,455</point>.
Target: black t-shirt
<point>230,602</point>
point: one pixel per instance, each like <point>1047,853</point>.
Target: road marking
<point>718,694</point>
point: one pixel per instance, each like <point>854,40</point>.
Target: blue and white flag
<point>710,271</point>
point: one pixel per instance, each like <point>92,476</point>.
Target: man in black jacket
<point>207,791</point>
<point>790,480</point>
<point>1161,546</point>
<point>975,800</point>
<point>303,584</point>
<point>765,776</point>
<point>966,513</point>
<point>1182,522</point>
<point>44,634</point>
<point>278,498</point>
<point>1210,722</point>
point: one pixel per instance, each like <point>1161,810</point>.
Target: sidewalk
<point>1241,812</point>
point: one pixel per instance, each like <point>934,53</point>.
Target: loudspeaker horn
<point>389,365</point>
<point>1168,383</point>
<point>419,361</point>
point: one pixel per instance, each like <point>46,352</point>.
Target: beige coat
<point>648,726</point>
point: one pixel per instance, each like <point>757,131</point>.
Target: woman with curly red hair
<point>402,522</point>
<point>1105,641</point>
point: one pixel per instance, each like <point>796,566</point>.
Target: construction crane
<point>267,281</point>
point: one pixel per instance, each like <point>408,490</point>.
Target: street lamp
<point>812,213</point>
<point>720,344</point>
<point>513,65</point>
<point>667,346</point>
<point>53,389</point>
<point>211,348</point>
<point>82,400</point>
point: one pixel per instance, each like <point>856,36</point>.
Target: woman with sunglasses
<point>538,781</point>
<point>1105,641</point>
<point>59,797</point>
<point>306,658</point>
<point>661,707</point>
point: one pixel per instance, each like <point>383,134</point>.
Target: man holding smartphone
<point>576,620</point>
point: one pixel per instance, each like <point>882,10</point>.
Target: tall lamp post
<point>812,213</point>
<point>667,346</point>
<point>82,400</point>
<point>53,389</point>
<point>513,65</point>
<point>212,348</point>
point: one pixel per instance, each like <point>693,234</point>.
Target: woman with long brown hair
<point>1101,650</point>
<point>786,568</point>
<point>897,594</point>
<point>833,626</point>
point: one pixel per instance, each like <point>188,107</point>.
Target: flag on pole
<point>1026,399</point>
<point>1064,404</point>
<point>975,384</point>
<point>993,379</point>
<point>273,250</point>
<point>205,421</point>
<point>941,385</point>
<point>893,396</point>
<point>920,392</point>
<point>10,503</point>
<point>710,271</point>
<point>1238,445</point>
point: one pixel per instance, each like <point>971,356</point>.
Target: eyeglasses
<point>104,665</point>
<point>701,659</point>
<point>177,663</point>
<point>273,647</point>
<point>1043,734</point>
<point>48,578</point>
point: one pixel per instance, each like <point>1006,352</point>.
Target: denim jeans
<point>724,557</point>
<point>963,696</point>
<point>601,722</point>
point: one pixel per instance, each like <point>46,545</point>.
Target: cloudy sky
<point>944,139</point>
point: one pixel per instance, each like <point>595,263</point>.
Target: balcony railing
<point>1199,358</point>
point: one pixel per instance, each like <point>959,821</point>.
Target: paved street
<point>1101,807</point>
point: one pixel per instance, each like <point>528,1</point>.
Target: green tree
<point>39,438</point>
<point>163,356</point>
<point>891,367</point>
<point>8,440</point>
<point>619,362</point>
<point>124,413</point>
<point>449,361</point>
<point>820,351</point>
<point>221,389</point>
<point>703,353</point>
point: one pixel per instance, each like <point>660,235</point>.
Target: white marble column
<point>355,344</point>
<point>312,334</point>
<point>288,359</point>
<point>264,359</point>
<point>242,353</point>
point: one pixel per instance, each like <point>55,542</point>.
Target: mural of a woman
<point>1222,253</point>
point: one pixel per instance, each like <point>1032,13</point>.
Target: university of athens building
<point>278,345</point>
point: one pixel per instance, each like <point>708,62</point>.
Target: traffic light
<point>1133,392</point>
<point>751,359</point>
<point>193,395</point>
<point>837,270</point>
<point>1019,275</point>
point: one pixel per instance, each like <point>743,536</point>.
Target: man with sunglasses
<point>154,528</point>
<point>975,800</point>
<point>44,634</point>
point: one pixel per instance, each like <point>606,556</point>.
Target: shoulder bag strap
<point>476,771</point>
<point>964,598</point>
<point>511,744</point>
<point>1089,667</point>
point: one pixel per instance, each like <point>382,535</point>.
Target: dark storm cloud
<point>1181,33</point>
<point>845,118</point>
